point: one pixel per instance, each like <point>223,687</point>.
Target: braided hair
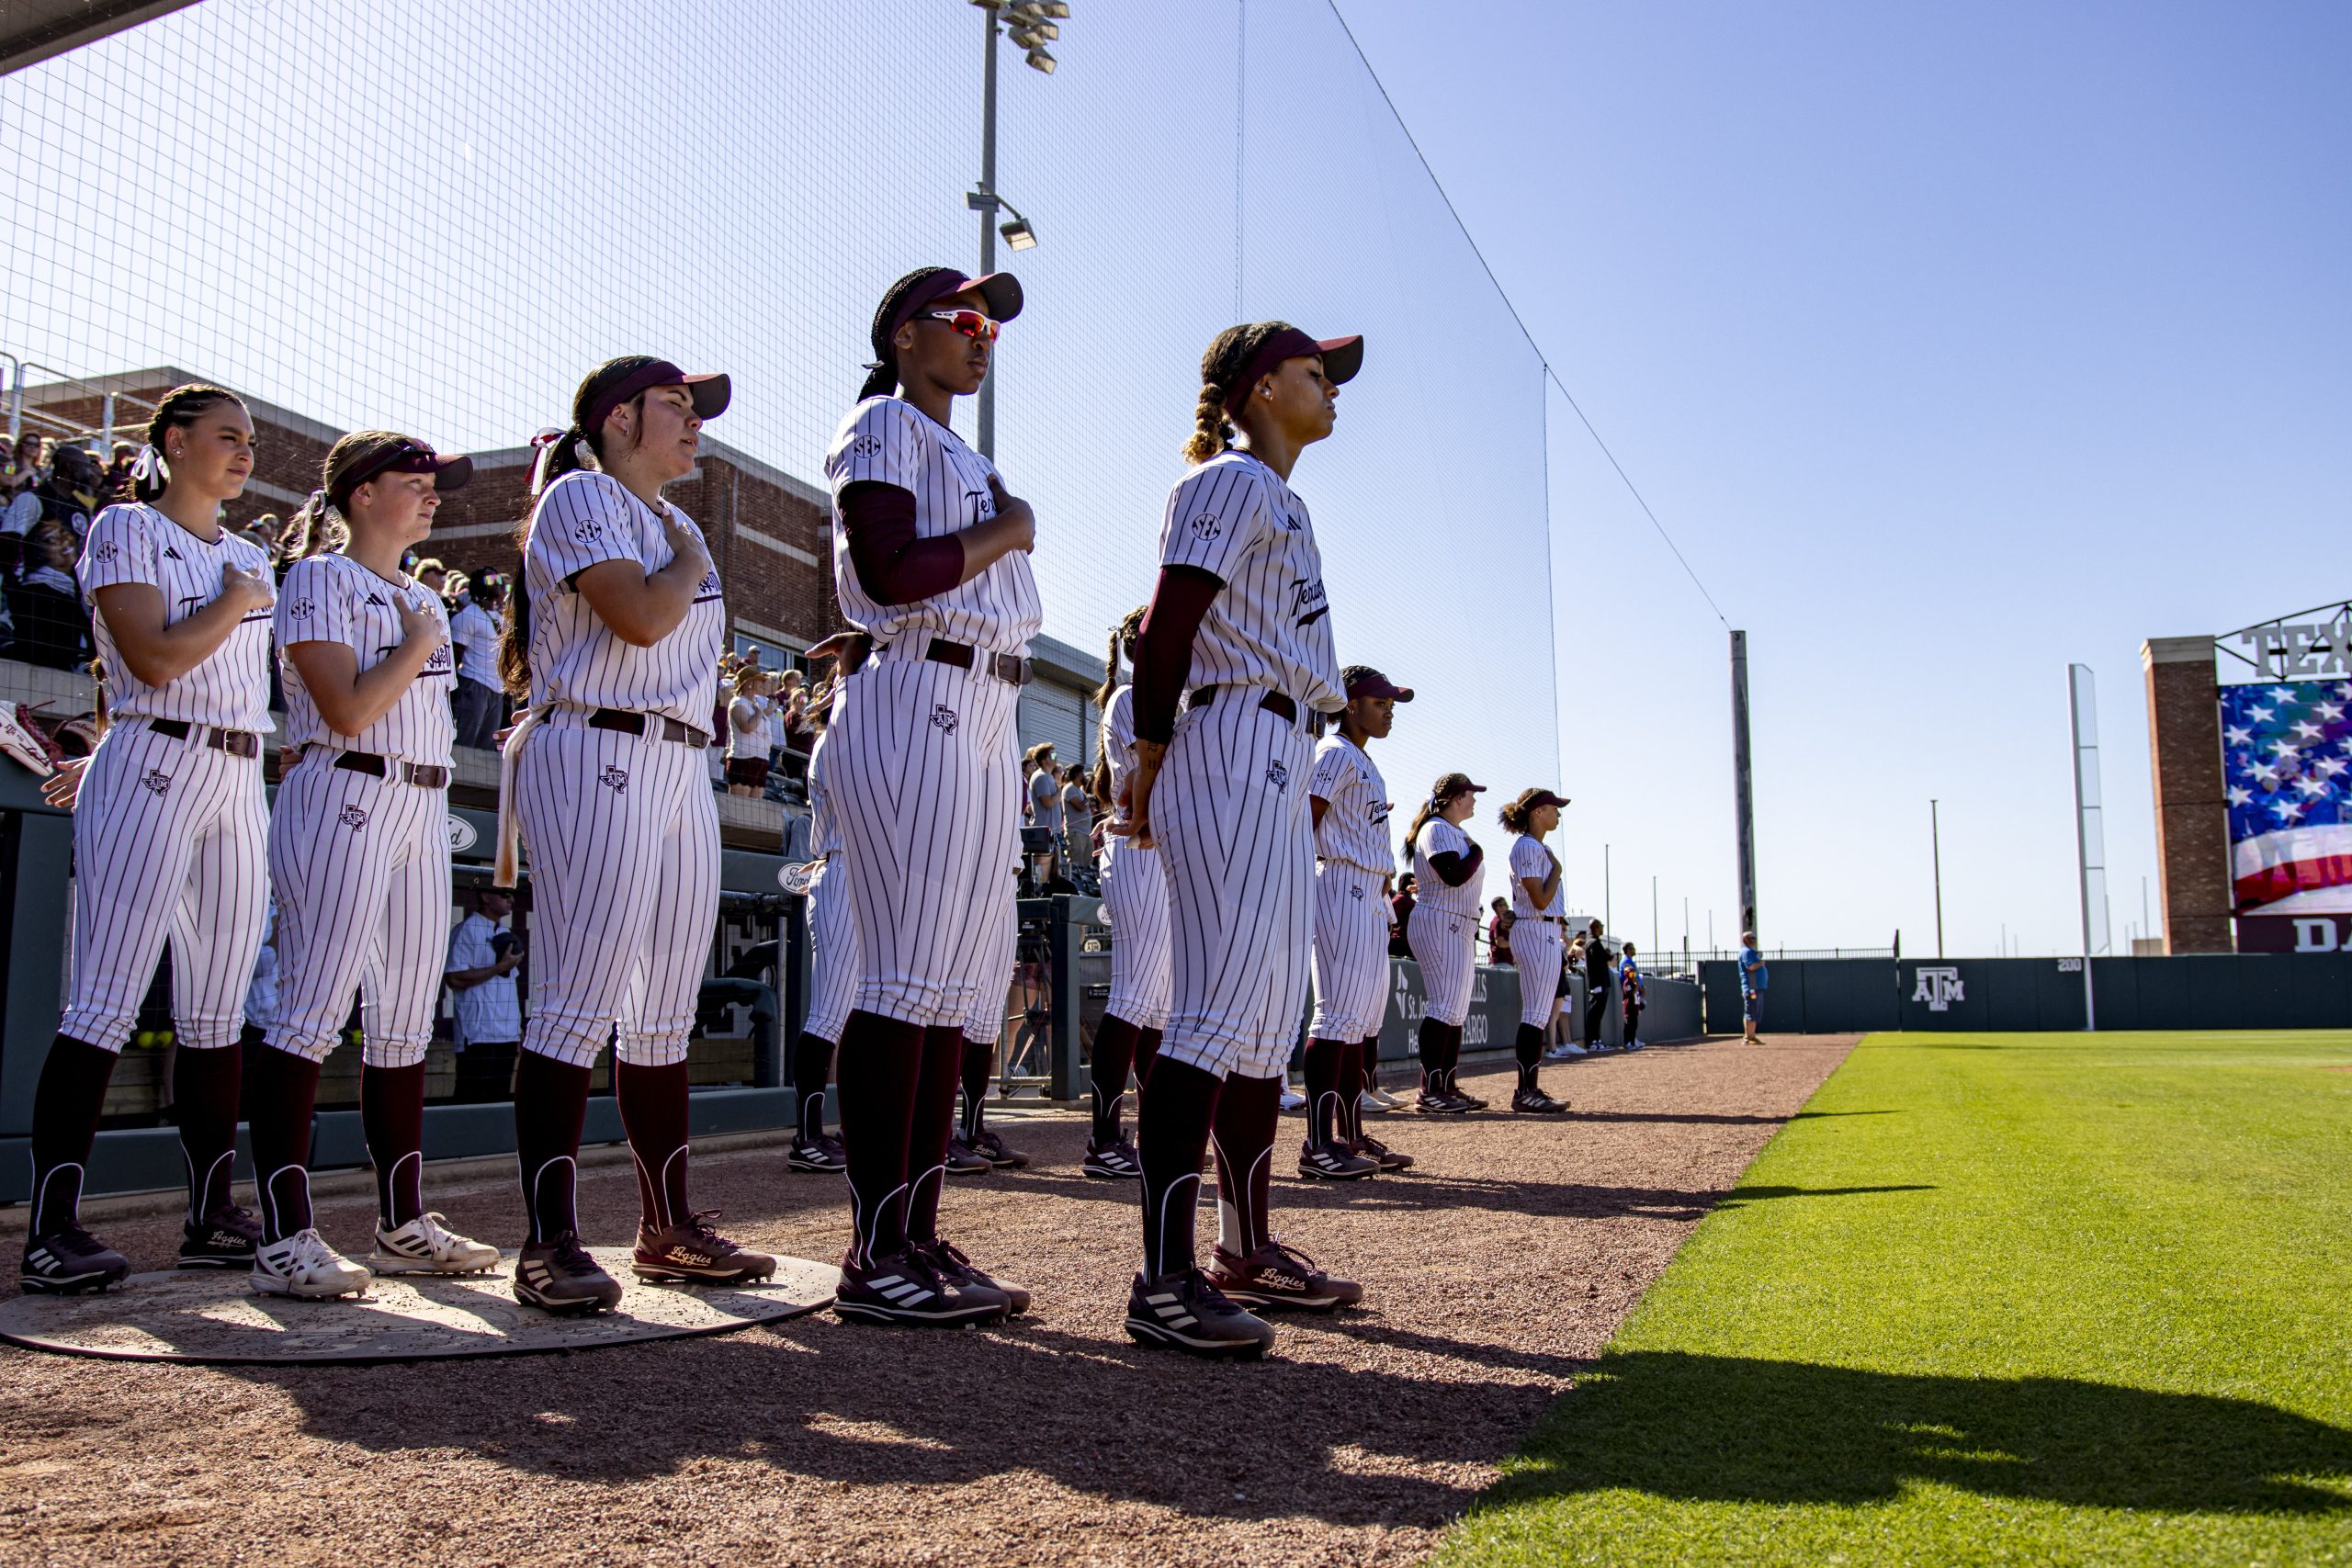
<point>882,378</point>
<point>1122,643</point>
<point>562,452</point>
<point>181,407</point>
<point>1221,367</point>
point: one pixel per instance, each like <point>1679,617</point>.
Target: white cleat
<point>427,1246</point>
<point>304,1265</point>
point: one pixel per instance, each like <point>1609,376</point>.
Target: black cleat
<point>69,1262</point>
<point>1114,1161</point>
<point>1390,1160</point>
<point>1334,1161</point>
<point>996,1151</point>
<point>823,1154</point>
<point>226,1238</point>
<point>1277,1276</point>
<point>1536,1102</point>
<point>905,1289</point>
<point>965,1160</point>
<point>947,1261</point>
<point>695,1254</point>
<point>560,1277</point>
<point>1185,1311</point>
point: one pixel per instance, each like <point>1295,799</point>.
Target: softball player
<point>170,833</point>
<point>1135,906</point>
<point>615,645</point>
<point>1239,622</point>
<point>359,859</point>
<point>930,561</point>
<point>1443,932</point>
<point>832,964</point>
<point>1350,803</point>
<point>1534,938</point>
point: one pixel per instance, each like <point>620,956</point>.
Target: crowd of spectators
<point>49,492</point>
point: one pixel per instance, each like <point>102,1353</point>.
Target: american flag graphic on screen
<point>2287,761</point>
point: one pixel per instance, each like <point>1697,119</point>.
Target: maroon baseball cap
<point>1539,797</point>
<point>1343,357</point>
<point>1370,683</point>
<point>1000,292</point>
<point>1451,784</point>
<point>710,391</point>
<point>403,455</point>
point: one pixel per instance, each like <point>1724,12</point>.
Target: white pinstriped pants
<point>909,753</point>
<point>1445,945</point>
<point>171,842</point>
<point>1134,898</point>
<point>623,835</point>
<point>360,867</point>
<point>832,956</point>
<point>1000,849</point>
<point>1229,813</point>
<point>1350,952</point>
<point>1535,952</point>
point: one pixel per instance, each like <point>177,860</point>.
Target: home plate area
<point>218,1318</point>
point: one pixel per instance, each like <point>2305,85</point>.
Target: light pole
<point>1935,847</point>
<point>1032,24</point>
<point>1607,922</point>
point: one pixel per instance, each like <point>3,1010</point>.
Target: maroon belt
<point>664,727</point>
<point>236,743</point>
<point>1274,703</point>
<point>1010,669</point>
<point>424,775</point>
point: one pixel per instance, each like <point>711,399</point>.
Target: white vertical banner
<point>2090,834</point>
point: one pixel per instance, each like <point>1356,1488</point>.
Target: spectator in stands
<point>1753,978</point>
<point>751,731</point>
<point>480,973</point>
<point>1597,979</point>
<point>1078,818</point>
<point>1499,931</point>
<point>117,483</point>
<point>478,701</point>
<point>1400,913</point>
<point>68,493</point>
<point>27,466</point>
<point>263,531</point>
<point>1044,805</point>
<point>434,575</point>
<point>45,604</point>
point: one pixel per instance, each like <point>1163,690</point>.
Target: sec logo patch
<point>106,550</point>
<point>587,531</point>
<point>1206,526</point>
<point>865,446</point>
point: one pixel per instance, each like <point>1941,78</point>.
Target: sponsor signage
<point>2295,933</point>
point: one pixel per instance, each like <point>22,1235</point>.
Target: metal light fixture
<point>1040,61</point>
<point>1018,235</point>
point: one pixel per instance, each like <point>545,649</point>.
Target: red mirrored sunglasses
<point>971,324</point>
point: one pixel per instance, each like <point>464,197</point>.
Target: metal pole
<point>1936,847</point>
<point>1608,922</point>
<point>988,221</point>
<point>1655,942</point>
<point>2090,835</point>
<point>1743,791</point>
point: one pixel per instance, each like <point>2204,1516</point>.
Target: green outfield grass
<point>1995,1298</point>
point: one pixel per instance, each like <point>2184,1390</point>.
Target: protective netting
<point>434,218</point>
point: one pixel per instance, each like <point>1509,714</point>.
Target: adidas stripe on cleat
<point>427,1246</point>
<point>1334,1162</point>
<point>1184,1311</point>
<point>560,1277</point>
<point>1114,1161</point>
<point>907,1290</point>
<point>69,1262</point>
<point>304,1266</point>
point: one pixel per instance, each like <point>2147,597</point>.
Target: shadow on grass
<point>1716,1428</point>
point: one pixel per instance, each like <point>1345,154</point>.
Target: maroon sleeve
<point>893,566</point>
<point>1164,647</point>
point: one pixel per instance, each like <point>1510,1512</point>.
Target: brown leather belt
<point>236,743</point>
<point>629,722</point>
<point>1274,703</point>
<point>424,775</point>
<point>1010,669</point>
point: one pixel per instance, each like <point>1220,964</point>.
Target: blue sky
<point>1952,344</point>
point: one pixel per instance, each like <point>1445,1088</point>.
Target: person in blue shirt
<point>1753,978</point>
<point>1629,988</point>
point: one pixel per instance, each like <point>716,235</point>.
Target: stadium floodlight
<point>1041,60</point>
<point>1018,234</point>
<point>1027,37</point>
<point>1055,9</point>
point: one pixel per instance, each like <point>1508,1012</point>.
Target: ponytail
<point>1429,808</point>
<point>1222,367</point>
<point>1122,642</point>
<point>1512,815</point>
<point>318,527</point>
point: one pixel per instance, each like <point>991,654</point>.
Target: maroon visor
<point>1343,357</point>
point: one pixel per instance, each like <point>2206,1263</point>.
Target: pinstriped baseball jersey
<point>1272,626</point>
<point>1118,743</point>
<point>1441,837</point>
<point>889,440</point>
<point>1530,860</point>
<point>824,827</point>
<point>332,598</point>
<point>583,518</point>
<point>1354,829</point>
<point>135,543</point>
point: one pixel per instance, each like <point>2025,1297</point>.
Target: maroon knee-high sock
<point>285,1092</point>
<point>1146,1052</point>
<point>550,1106</point>
<point>1366,1080</point>
<point>944,1055</point>
<point>1529,1052</point>
<point>392,1115</point>
<point>1453,1058</point>
<point>652,1101</point>
<point>1432,1045</point>
<point>881,1058</point>
<point>812,1066</point>
<point>1327,1071</point>
<point>67,1104</point>
<point>204,1102</point>
<point>1114,1052</point>
<point>1248,1112</point>
<point>1173,1116</point>
<point>978,1061</point>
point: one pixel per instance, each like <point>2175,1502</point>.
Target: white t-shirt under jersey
<point>1441,837</point>
<point>1354,829</point>
<point>1270,626</point>
<point>1531,861</point>
<point>332,598</point>
<point>135,543</point>
<point>889,440</point>
<point>576,659</point>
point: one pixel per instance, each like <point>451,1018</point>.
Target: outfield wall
<point>2192,992</point>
